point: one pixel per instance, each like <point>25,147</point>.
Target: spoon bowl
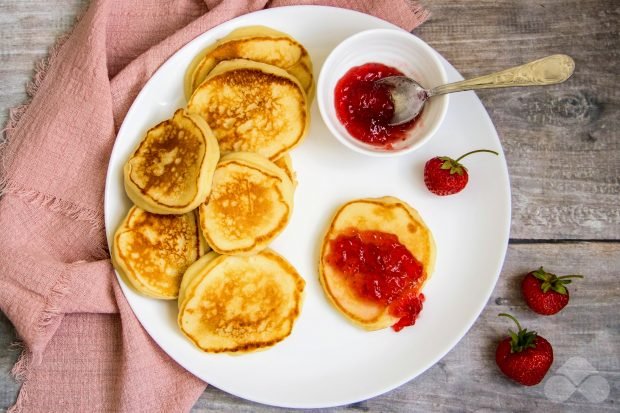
<point>409,97</point>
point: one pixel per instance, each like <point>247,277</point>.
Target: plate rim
<point>377,23</point>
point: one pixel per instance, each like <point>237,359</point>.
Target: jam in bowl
<point>357,110</point>
<point>365,107</point>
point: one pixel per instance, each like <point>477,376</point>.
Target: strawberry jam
<point>365,108</point>
<point>407,307</point>
<point>379,268</point>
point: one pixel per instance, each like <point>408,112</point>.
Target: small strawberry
<point>545,293</point>
<point>525,357</point>
<point>445,176</point>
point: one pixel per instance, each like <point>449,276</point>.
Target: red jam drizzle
<point>365,108</point>
<point>380,269</point>
<point>407,307</point>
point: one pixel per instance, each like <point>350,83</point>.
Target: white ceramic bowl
<point>395,48</point>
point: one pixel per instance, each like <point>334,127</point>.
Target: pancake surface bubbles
<point>240,304</point>
<point>250,204</point>
<point>170,171</point>
<point>153,251</point>
<point>252,107</point>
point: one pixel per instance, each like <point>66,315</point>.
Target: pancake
<point>251,202</point>
<point>357,218</point>
<point>252,107</point>
<point>286,164</point>
<point>240,304</point>
<point>203,245</point>
<point>170,172</point>
<point>201,266</point>
<point>152,251</point>
<point>259,43</point>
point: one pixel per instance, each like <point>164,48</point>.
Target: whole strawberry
<point>545,293</point>
<point>445,176</point>
<point>525,357</point>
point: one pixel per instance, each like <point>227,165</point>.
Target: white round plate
<point>327,361</point>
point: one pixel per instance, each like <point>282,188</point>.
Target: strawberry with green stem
<point>446,176</point>
<point>524,356</point>
<point>546,293</point>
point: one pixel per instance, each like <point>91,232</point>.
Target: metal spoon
<point>409,96</point>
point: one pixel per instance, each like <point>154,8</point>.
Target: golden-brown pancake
<point>387,215</point>
<point>252,107</point>
<point>251,202</point>
<point>259,43</point>
<point>201,266</point>
<point>204,247</point>
<point>152,251</point>
<point>170,172</point>
<point>238,304</point>
<point>286,164</point>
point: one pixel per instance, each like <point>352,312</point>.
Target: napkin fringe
<point>422,14</point>
<point>57,205</point>
<point>19,368</point>
<point>20,372</point>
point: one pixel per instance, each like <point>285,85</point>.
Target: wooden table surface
<point>563,151</point>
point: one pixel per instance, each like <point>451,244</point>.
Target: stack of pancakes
<point>168,176</point>
<point>218,176</point>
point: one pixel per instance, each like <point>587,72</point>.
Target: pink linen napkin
<point>84,348</point>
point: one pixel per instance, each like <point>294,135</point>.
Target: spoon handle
<point>546,71</point>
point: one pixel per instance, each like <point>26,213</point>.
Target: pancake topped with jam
<point>376,256</point>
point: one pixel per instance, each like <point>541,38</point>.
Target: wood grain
<point>27,31</point>
<point>8,356</point>
<point>563,152</point>
<point>561,142</point>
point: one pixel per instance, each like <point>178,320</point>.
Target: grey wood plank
<point>9,353</point>
<point>27,30</point>
<point>561,142</point>
<point>466,379</point>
